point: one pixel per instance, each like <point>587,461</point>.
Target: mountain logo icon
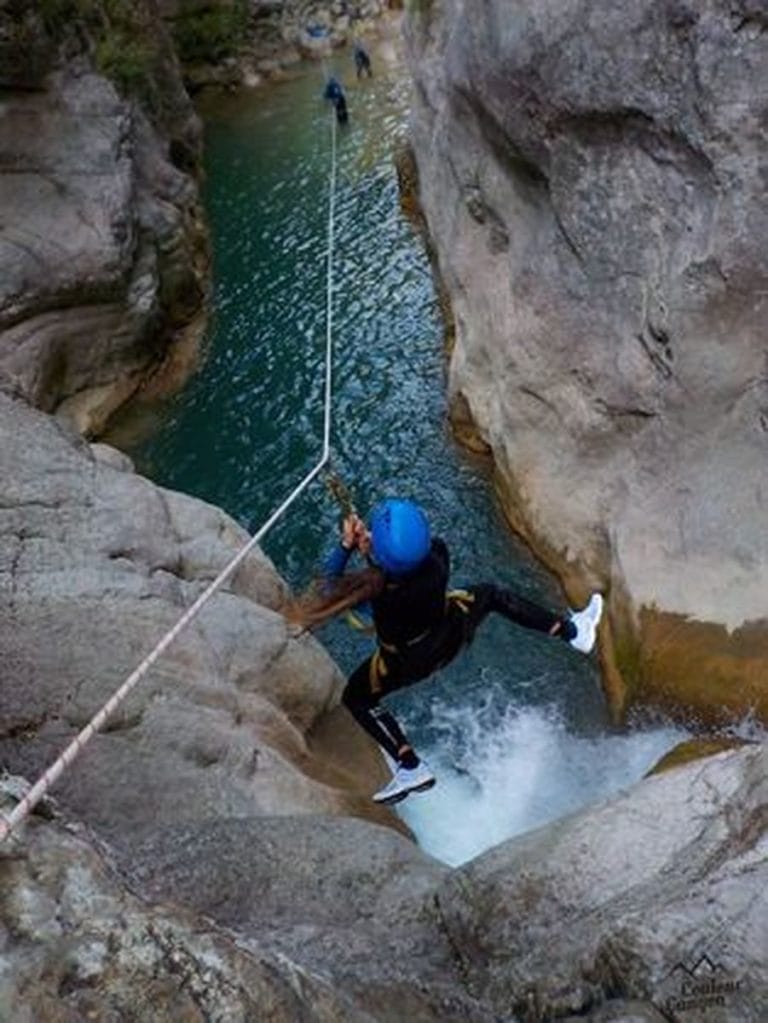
<point>703,969</point>
<point>700,984</point>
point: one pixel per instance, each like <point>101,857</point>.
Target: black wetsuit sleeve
<point>336,561</point>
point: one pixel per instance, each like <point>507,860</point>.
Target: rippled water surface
<point>517,726</point>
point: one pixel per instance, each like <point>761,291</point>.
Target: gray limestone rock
<point>102,246</point>
<point>646,907</point>
<point>321,889</point>
<point>96,564</point>
<point>620,1011</point>
<point>658,895</point>
<point>593,175</point>
<point>76,943</point>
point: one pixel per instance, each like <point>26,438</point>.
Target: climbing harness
<point>56,769</point>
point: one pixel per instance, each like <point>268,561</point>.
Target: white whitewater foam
<point>519,770</point>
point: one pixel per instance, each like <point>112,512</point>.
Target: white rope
<point>41,786</point>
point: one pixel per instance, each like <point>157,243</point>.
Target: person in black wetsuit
<point>335,93</point>
<point>362,61</point>
<point>420,626</point>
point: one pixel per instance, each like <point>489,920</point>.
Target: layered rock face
<point>96,564</point>
<point>647,908</point>
<point>593,176</point>
<point>78,945</point>
<point>656,897</point>
<point>102,252</point>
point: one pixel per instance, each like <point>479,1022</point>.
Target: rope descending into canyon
<point>57,768</point>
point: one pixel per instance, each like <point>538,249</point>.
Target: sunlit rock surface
<point>650,906</point>
<point>593,176</point>
<point>625,900</point>
<point>96,563</point>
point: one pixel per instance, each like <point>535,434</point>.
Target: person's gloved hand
<point>349,531</point>
<point>362,537</point>
<point>355,535</point>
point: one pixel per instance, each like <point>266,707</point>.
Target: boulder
<point>79,941</point>
<point>75,944</point>
<point>648,906</point>
<point>321,889</point>
<point>657,896</point>
<point>102,254</point>
<point>96,564</point>
<point>695,749</point>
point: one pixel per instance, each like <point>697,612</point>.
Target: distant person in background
<point>335,93</point>
<point>342,115</point>
<point>333,89</point>
<point>362,61</point>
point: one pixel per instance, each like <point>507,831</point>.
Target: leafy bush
<point>115,35</point>
<point>210,35</point>
<point>126,61</point>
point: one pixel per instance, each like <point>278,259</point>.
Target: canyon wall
<point>103,252</point>
<point>593,177</point>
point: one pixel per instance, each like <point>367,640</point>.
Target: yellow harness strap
<point>461,598</point>
<point>378,666</point>
<point>377,670</point>
<point>354,621</point>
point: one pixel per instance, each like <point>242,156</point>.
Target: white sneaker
<point>586,622</point>
<point>405,780</point>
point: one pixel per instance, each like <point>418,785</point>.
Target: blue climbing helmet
<point>400,536</point>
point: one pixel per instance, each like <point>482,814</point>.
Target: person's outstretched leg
<point>578,629</point>
<point>524,612</point>
<point>411,774</point>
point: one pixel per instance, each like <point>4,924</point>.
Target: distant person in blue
<point>362,61</point>
<point>420,625</point>
<point>335,93</point>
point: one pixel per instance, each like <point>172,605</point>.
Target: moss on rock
<point>695,749</point>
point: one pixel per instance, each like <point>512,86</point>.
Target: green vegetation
<point>122,37</point>
<point>56,14</point>
<point>127,62</point>
<point>115,32</point>
<point>212,34</point>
